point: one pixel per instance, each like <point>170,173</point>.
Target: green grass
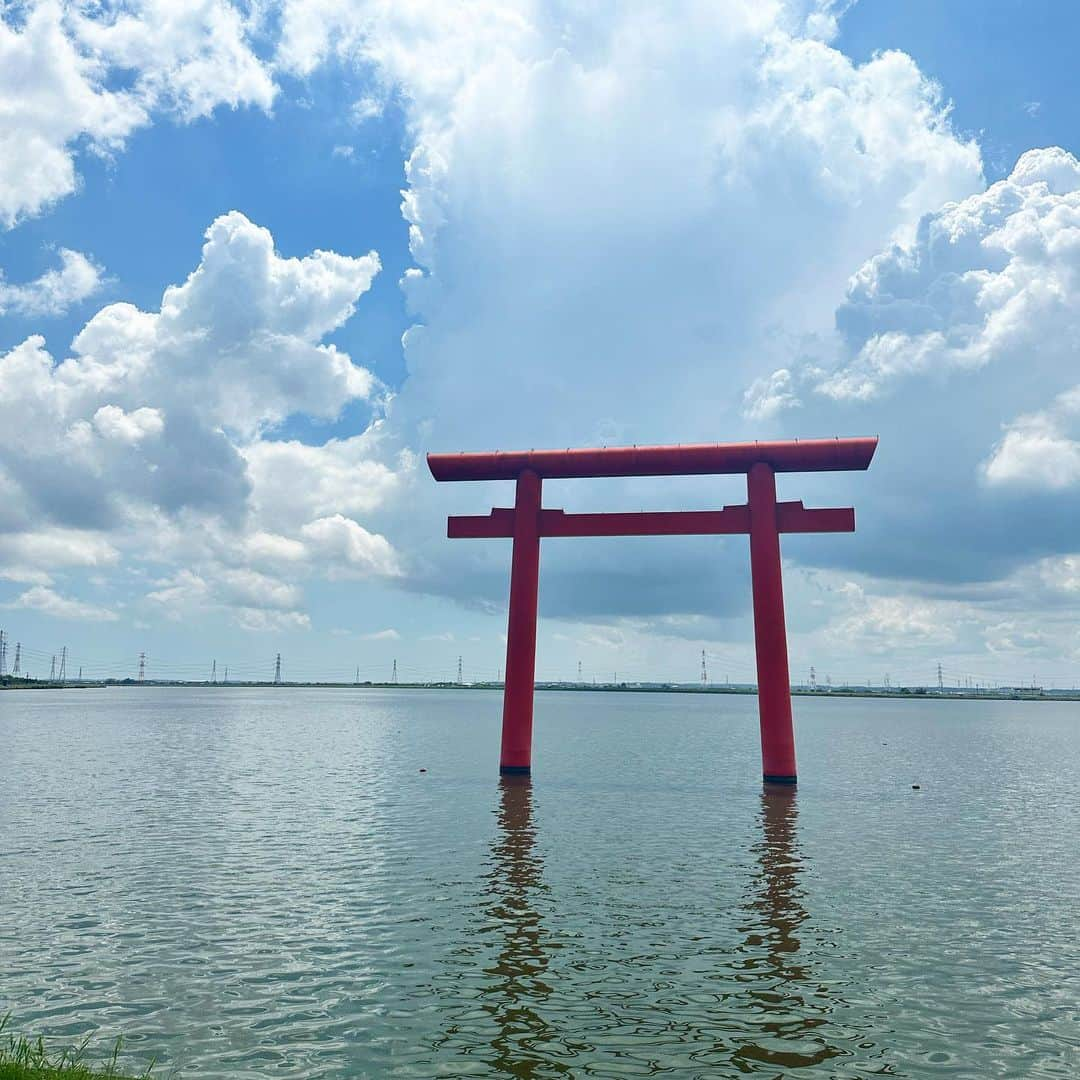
<point>26,1059</point>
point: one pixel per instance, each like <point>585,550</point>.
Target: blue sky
<point>1007,67</point>
<point>678,224</point>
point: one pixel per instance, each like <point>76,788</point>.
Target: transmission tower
<point>393,674</point>
<point>18,658</point>
<point>226,678</point>
<point>357,676</point>
<point>52,669</point>
<point>277,669</point>
<point>63,664</point>
<point>813,678</point>
<point>579,671</point>
<point>940,679</point>
<point>80,673</point>
<point>460,680</point>
<point>142,666</point>
<point>213,671</point>
<point>704,670</point>
<point>3,653</point>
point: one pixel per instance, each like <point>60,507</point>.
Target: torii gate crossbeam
<point>762,517</point>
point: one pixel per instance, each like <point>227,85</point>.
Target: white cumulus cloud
<point>1040,451</point>
<point>958,347</point>
<point>60,64</point>
<point>49,602</point>
<point>156,406</point>
<point>55,290</point>
<point>192,57</point>
<point>155,436</point>
<point>129,427</point>
<point>350,547</point>
<point>986,280</point>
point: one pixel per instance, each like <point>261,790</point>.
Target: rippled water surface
<point>263,883</point>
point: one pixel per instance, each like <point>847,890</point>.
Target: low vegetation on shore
<point>30,1059</point>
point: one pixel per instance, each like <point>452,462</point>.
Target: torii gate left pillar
<point>517,722</point>
<point>762,517</point>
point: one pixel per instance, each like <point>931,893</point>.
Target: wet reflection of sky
<point>255,884</point>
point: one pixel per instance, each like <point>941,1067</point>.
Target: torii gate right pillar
<point>770,634</point>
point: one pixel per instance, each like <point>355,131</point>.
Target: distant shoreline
<point>906,693</point>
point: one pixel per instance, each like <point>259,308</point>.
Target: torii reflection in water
<point>788,1004</point>
<point>516,983</point>
<point>781,1018</point>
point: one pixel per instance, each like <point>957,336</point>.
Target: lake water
<point>262,883</point>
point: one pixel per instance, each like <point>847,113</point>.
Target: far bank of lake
<point>1013,693</point>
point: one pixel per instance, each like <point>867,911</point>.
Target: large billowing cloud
<point>153,434</point>
<point>618,219</point>
<point>621,217</point>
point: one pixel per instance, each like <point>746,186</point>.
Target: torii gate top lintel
<point>693,459</point>
<point>762,517</point>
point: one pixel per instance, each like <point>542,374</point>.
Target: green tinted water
<point>258,883</point>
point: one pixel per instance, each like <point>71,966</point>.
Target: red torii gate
<point>762,517</point>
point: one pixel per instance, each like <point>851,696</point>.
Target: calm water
<point>256,883</point>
